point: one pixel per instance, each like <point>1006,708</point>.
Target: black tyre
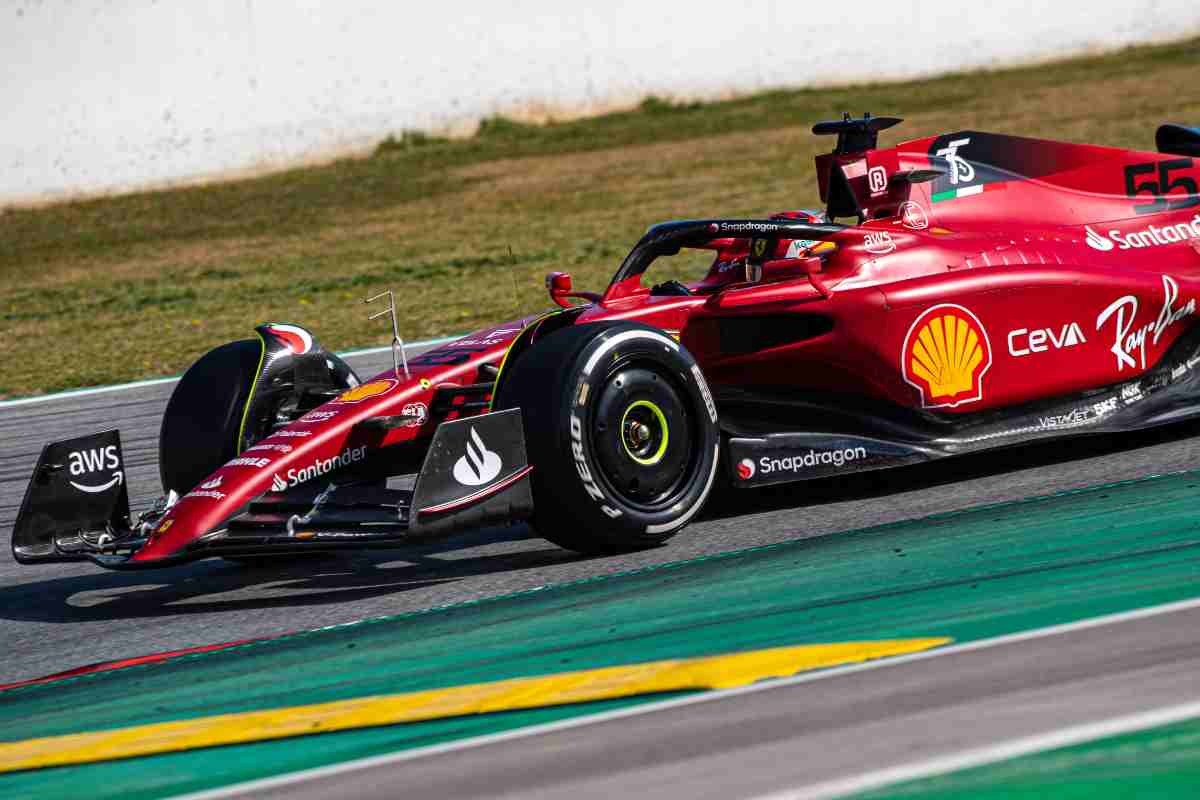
<point>201,425</point>
<point>621,431</point>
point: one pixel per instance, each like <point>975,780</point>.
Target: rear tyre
<point>621,431</point>
<point>201,425</point>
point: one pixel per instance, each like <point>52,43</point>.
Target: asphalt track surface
<point>817,737</point>
<point>56,617</point>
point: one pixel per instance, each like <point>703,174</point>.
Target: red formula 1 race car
<point>992,290</point>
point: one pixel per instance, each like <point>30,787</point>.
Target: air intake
<point>740,335</point>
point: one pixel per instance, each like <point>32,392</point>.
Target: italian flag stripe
<point>967,191</point>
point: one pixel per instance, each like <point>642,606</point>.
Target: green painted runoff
<point>1160,763</point>
<point>969,575</point>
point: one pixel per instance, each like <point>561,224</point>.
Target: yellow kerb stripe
<point>712,672</point>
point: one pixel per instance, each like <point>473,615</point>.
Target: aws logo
<point>83,464</point>
<point>946,354</point>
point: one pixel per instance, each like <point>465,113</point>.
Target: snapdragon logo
<point>745,469</point>
<point>759,227</point>
<point>295,477</point>
<point>813,458</point>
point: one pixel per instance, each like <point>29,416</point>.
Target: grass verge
<point>137,286</point>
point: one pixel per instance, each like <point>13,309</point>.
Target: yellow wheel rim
<point>659,417</point>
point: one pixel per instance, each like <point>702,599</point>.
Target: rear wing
<point>1178,140</point>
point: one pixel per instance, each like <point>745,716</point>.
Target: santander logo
<point>1097,241</point>
<point>479,465</point>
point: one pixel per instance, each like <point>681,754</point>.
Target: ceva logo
<point>1098,241</point>
<point>1024,341</point>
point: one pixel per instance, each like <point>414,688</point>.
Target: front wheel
<point>621,430</point>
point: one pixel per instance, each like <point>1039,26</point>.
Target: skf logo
<point>360,393</point>
<point>946,354</point>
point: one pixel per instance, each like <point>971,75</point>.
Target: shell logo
<point>946,354</point>
<point>372,389</point>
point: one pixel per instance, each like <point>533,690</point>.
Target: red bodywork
<point>1025,270</point>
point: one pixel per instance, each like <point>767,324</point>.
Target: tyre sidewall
<point>570,488</point>
<point>200,425</point>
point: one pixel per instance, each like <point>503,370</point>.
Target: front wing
<point>475,473</point>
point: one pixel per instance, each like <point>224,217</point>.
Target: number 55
<point>1163,186</point>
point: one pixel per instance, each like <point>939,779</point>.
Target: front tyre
<point>622,433</point>
<point>200,426</point>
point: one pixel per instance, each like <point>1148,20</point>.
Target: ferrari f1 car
<point>988,291</point>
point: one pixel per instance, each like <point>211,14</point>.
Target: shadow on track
<point>218,586</point>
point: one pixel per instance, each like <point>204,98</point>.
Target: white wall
<point>104,95</point>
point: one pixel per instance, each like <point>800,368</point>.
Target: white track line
<point>120,387</point>
<point>263,784</point>
<point>1014,748</point>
